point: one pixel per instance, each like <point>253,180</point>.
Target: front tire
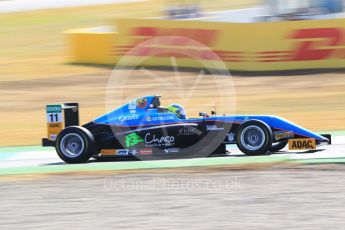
<point>276,147</point>
<point>75,145</point>
<point>254,138</point>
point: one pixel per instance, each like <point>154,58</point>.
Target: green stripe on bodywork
<point>158,164</point>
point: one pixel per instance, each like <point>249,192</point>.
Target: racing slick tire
<point>75,144</point>
<point>276,147</point>
<point>254,138</point>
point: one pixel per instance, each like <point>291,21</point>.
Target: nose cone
<point>282,124</point>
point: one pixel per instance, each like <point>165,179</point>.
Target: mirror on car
<point>203,114</point>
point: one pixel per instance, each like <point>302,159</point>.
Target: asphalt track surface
<point>306,197</point>
<point>287,196</point>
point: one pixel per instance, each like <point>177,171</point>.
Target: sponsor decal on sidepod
<point>133,139</point>
<point>152,140</point>
<point>172,150</point>
<point>146,151</point>
<point>133,152</point>
<point>122,152</point>
<point>108,152</point>
<point>186,131</point>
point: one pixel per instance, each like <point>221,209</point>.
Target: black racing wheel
<point>75,144</point>
<point>254,138</point>
<point>276,147</point>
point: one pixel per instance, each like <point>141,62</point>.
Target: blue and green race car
<point>143,129</point>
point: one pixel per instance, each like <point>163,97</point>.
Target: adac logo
<point>300,144</point>
<point>133,139</point>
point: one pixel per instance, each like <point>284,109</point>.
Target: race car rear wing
<point>60,116</point>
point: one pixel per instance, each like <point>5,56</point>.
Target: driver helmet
<point>178,110</point>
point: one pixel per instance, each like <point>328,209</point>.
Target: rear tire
<point>75,145</point>
<point>254,138</point>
